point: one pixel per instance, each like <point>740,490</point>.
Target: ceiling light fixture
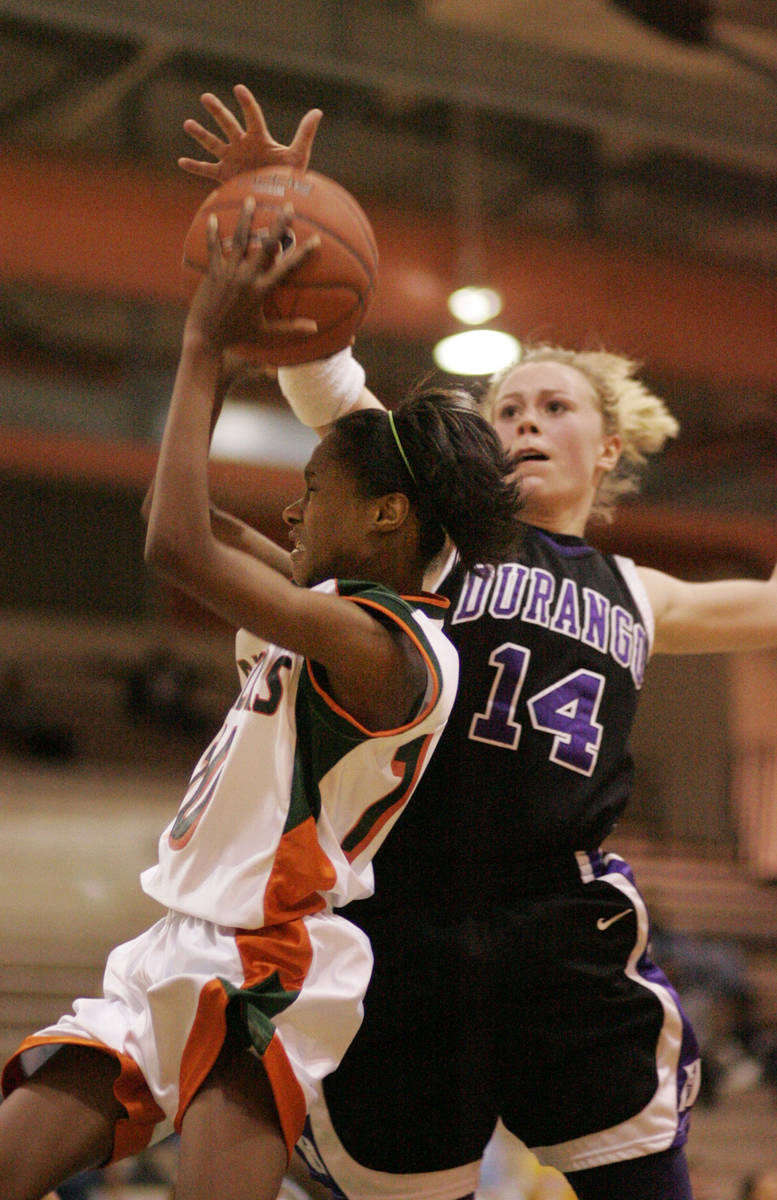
<point>476,352</point>
<point>474,305</point>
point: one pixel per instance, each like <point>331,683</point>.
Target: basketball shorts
<point>548,1013</point>
<point>292,992</point>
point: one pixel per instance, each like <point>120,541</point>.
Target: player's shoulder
<point>409,606</point>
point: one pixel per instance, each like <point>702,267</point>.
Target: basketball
<point>333,287</point>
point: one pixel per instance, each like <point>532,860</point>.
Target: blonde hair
<point>641,419</point>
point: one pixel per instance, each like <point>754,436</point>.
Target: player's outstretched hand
<point>227,307</point>
<point>245,149</point>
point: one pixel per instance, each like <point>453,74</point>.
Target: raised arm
<point>225,526</point>
<point>375,674</point>
<point>318,392</point>
<point>710,618</point>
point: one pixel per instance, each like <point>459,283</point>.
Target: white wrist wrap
<point>319,392</point>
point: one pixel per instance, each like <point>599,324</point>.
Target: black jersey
<point>533,763</point>
<point>510,953</point>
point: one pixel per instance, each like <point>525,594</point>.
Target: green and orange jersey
<point>289,803</point>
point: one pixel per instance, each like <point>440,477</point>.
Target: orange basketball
<point>333,287</point>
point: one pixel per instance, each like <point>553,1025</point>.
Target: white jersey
<point>291,800</point>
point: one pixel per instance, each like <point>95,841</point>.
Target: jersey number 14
<point>566,711</point>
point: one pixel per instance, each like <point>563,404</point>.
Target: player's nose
<point>528,422</point>
<point>292,513</point>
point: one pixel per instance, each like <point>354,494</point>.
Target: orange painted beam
<point>674,539</point>
<point>108,227</point>
<point>256,494</point>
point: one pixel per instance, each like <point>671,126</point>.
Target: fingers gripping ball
<point>333,287</point>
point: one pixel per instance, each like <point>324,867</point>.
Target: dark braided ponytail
<point>447,459</point>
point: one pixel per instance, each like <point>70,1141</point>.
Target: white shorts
<point>329,1163</point>
<point>296,990</point>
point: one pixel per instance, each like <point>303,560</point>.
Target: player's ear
<point>391,511</point>
<point>610,453</point>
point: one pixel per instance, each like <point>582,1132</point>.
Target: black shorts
<point>548,1014</point>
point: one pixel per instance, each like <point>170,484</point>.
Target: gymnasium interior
<point>610,168</point>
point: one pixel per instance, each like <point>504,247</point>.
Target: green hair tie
<point>405,460</point>
<point>401,448</point>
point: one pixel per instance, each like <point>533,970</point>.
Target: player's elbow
<point>169,555</point>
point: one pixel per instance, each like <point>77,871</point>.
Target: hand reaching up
<point>244,149</point>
